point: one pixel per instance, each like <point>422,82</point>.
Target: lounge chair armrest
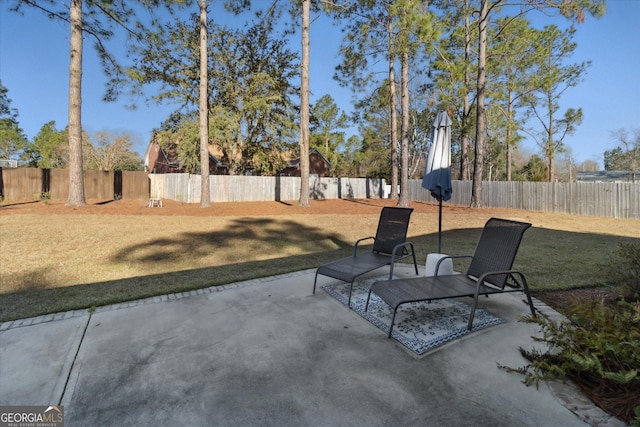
<point>448,257</point>
<point>355,247</point>
<point>399,247</point>
<point>395,255</point>
<point>495,273</point>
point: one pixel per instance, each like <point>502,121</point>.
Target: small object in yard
<point>153,202</point>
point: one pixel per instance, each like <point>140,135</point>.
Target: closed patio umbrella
<point>437,174</point>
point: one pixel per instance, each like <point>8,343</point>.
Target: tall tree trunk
<point>481,126</point>
<point>403,201</point>
<point>550,150</point>
<point>393,113</point>
<point>76,177</point>
<point>508,134</point>
<point>304,108</point>
<point>205,197</point>
<point>465,168</point>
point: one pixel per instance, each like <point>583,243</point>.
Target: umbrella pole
<point>440,226</point>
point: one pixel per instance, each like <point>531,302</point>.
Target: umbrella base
<point>446,266</point>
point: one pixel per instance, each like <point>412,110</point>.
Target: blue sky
<point>34,67</point>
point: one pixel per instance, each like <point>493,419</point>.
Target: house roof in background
<point>295,161</point>
<point>604,176</point>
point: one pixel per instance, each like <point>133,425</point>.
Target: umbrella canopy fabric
<point>437,174</point>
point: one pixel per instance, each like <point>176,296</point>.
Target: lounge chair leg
<point>472,313</point>
<point>393,318</point>
<point>415,263</point>
<point>366,306</point>
<point>525,288</point>
<point>314,282</point>
<point>533,310</point>
<point>350,290</point>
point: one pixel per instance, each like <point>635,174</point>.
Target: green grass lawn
<point>53,263</point>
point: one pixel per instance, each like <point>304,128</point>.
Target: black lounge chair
<point>389,246</point>
<point>489,273</point>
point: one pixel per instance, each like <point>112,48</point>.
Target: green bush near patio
<point>598,346</point>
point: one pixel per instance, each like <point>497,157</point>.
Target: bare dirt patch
<point>171,207</point>
<point>454,217</point>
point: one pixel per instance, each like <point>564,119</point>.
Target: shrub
<point>599,349</point>
<point>626,271</point>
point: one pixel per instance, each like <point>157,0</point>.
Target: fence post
<point>46,182</point>
<point>117,185</point>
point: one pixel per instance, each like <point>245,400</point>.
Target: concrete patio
<point>268,352</point>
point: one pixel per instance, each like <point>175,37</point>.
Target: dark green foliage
<point>627,271</point>
<point>535,170</point>
<point>101,20</point>
<point>613,159</point>
<point>12,139</point>
<point>599,346</point>
<point>626,156</point>
<point>251,107</point>
<point>327,124</point>
<point>49,148</point>
<point>599,349</point>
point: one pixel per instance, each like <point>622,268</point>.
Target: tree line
<point>237,87</point>
<point>104,150</point>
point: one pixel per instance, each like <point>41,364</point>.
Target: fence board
<point>59,183</point>
<point>135,185</point>
<point>22,183</point>
<point>606,199</point>
<point>31,183</point>
<point>229,188</point>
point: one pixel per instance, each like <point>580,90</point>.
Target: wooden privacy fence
<point>34,184</point>
<point>232,188</point>
<point>604,199</point>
